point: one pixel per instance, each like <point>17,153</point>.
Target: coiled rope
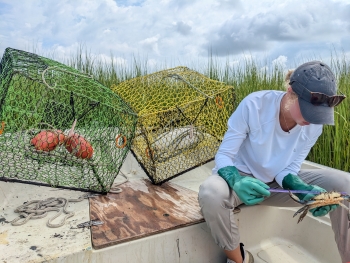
<point>39,208</point>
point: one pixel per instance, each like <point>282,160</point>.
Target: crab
<point>322,199</point>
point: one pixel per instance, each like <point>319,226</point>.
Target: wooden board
<point>142,209</point>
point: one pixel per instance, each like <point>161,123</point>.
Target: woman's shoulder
<point>263,97</point>
<point>265,94</point>
<point>312,130</point>
<point>259,107</point>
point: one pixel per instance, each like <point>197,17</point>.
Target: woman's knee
<point>340,181</point>
<point>329,179</point>
<point>213,191</point>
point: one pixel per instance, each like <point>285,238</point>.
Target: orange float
<point>61,137</point>
<point>45,140</point>
<point>79,146</point>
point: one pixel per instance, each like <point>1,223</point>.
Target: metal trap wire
<point>60,127</point>
<point>182,118</point>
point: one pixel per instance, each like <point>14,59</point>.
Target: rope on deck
<point>39,208</point>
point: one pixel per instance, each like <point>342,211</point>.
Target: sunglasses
<point>318,98</point>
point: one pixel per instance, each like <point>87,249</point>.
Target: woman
<point>269,136</point>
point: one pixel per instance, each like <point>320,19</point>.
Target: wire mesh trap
<point>59,127</point>
<point>182,119</point>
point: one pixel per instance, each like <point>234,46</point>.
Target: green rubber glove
<point>293,182</point>
<point>251,191</point>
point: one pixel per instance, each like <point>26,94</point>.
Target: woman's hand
<point>293,182</point>
<point>250,190</point>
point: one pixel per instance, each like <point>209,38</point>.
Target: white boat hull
<point>270,233</point>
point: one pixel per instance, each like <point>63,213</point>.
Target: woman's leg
<point>217,202</point>
<point>334,180</point>
<point>330,180</point>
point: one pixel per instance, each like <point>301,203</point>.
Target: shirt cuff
<point>279,178</point>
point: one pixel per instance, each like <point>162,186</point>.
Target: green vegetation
<point>332,148</point>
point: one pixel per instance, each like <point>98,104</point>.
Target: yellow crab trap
<point>59,127</point>
<point>182,117</point>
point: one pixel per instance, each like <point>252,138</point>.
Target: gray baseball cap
<point>314,76</point>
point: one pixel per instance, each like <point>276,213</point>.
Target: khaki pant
<point>217,202</point>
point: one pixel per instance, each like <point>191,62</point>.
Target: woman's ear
<point>289,89</point>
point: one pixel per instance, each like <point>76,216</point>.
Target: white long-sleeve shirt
<point>256,144</point>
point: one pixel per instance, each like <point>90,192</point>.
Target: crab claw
<point>301,210</point>
<point>304,209</point>
<point>346,197</point>
<point>296,199</point>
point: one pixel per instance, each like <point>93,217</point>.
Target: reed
<point>332,149</point>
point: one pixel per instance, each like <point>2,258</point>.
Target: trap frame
<point>40,100</point>
<point>182,118</point>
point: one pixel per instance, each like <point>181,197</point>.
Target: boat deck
<point>270,233</point>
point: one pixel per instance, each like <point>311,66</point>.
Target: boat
<point>271,234</point>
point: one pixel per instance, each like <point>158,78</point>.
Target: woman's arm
<point>235,135</point>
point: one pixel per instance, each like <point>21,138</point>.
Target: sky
<point>179,32</point>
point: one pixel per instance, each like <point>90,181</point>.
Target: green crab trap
<point>182,118</point>
<point>58,126</point>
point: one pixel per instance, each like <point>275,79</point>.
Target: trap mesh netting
<point>182,118</point>
<point>60,127</point>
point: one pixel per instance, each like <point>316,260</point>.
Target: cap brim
<point>316,114</point>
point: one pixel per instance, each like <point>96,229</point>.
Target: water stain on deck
<point>3,238</point>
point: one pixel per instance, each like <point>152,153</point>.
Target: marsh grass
<point>332,148</point>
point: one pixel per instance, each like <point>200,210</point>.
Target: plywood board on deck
<point>142,209</point>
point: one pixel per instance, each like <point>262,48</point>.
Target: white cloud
<point>117,61</point>
<point>182,27</point>
<point>281,61</point>
<point>150,44</point>
<point>178,30</point>
<point>270,24</point>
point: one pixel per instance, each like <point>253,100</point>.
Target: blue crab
<point>322,199</point>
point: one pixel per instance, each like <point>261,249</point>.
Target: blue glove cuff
<point>230,174</point>
<point>293,182</point>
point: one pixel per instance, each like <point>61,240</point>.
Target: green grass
<point>332,149</point>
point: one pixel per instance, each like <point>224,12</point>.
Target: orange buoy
<point>45,140</point>
<point>79,146</point>
<point>61,137</point>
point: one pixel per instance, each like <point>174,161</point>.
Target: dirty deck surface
<point>35,242</point>
<point>140,210</point>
